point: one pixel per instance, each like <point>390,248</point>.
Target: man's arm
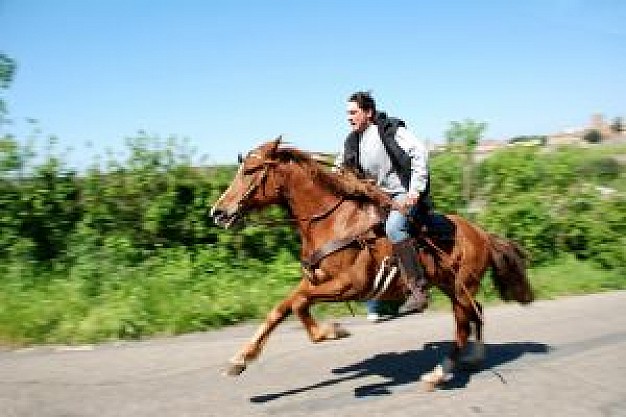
<point>416,149</point>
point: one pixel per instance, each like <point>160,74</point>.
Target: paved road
<point>553,358</point>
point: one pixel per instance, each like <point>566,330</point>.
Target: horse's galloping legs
<point>462,328</point>
<point>252,349</point>
<point>463,314</point>
<point>478,323</point>
<point>476,355</point>
<point>343,286</point>
<point>298,302</point>
<point>468,320</point>
<point>300,306</point>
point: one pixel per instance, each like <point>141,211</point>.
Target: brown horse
<point>346,256</point>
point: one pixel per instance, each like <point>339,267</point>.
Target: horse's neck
<point>322,214</point>
<point>305,196</point>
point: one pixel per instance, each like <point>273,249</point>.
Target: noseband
<point>261,181</point>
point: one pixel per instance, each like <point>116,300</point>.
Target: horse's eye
<point>240,158</point>
<point>251,170</point>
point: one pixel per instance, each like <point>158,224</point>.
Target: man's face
<point>358,118</point>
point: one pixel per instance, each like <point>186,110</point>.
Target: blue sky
<point>228,75</point>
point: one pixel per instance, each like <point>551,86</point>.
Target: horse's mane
<point>345,182</point>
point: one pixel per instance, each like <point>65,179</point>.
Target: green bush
<point>126,249</point>
<point>446,182</point>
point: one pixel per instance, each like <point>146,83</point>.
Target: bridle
<point>254,184</point>
<point>261,182</point>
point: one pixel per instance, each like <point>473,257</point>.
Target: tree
<point>10,155</point>
<point>593,136</point>
<point>618,125</point>
<point>7,70</point>
<point>465,136</point>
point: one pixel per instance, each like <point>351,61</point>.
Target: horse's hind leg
<point>443,372</point>
<point>475,353</point>
<point>463,329</point>
<point>478,322</point>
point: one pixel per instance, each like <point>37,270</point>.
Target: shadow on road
<point>405,368</point>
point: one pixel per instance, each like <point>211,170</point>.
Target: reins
<point>289,221</point>
<point>446,263</point>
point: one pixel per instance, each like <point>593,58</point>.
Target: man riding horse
<point>343,252</point>
<point>383,150</point>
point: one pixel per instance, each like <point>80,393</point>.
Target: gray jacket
<point>377,165</point>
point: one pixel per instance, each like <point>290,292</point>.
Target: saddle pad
<point>438,227</point>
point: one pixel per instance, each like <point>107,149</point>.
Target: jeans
<point>397,225</point>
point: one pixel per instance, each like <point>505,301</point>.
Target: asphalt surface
<point>553,358</point>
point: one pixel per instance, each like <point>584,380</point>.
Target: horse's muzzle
<point>223,218</point>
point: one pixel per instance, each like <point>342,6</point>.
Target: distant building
<point>572,136</point>
<point>487,147</point>
<point>576,136</point>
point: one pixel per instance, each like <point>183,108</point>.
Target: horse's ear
<point>275,146</point>
<point>276,143</point>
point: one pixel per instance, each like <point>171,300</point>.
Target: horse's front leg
<point>348,284</point>
<point>251,350</point>
<point>331,290</point>
<point>299,302</point>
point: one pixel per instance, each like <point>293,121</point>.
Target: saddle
<point>435,226</point>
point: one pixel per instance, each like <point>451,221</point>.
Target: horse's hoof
<point>429,386</point>
<point>437,376</point>
<point>340,331</point>
<point>234,369</point>
<point>474,359</point>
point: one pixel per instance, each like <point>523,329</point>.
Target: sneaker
<point>374,317</point>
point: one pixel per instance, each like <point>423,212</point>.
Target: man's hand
<point>409,202</point>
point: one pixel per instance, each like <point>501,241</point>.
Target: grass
<point>171,295</point>
<point>166,295</point>
<point>564,276</point>
<point>569,276</point>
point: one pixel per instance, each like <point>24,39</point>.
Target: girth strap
<point>360,235</point>
<point>325,250</point>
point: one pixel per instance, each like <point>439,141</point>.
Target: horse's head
<point>254,186</point>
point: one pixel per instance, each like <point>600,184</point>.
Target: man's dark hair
<point>364,100</point>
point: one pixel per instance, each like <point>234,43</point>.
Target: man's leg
<point>373,311</point>
<point>397,229</point>
<point>414,276</point>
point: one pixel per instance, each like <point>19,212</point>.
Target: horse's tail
<point>508,262</point>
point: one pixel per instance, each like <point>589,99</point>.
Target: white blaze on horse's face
<point>224,211</point>
<point>228,208</point>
